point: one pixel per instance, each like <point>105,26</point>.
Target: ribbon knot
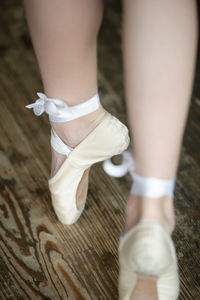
<point>127,165</point>
<point>51,106</point>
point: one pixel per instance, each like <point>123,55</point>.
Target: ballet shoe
<point>69,185</point>
<point>147,256</point>
<point>148,263</point>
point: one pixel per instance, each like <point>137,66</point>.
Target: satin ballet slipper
<point>69,185</point>
<point>147,256</point>
<point>148,263</point>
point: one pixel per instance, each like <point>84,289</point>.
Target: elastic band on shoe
<point>59,111</point>
<point>58,145</point>
<point>152,187</point>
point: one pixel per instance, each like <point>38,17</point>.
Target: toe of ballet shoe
<point>147,250</point>
<point>68,217</point>
<point>66,192</point>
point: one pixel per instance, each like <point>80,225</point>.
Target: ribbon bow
<point>51,106</point>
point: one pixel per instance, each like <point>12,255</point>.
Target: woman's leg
<point>159,47</point>
<point>64,35</point>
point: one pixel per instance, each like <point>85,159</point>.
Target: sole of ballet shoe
<point>146,288</point>
<point>69,186</point>
<point>148,264</point>
<point>82,189</point>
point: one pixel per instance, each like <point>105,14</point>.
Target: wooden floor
<point>39,257</point>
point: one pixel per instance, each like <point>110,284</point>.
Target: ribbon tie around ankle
<point>48,105</point>
<point>151,187</point>
<point>59,111</point>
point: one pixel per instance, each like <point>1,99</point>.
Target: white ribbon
<point>151,187</point>
<point>122,169</point>
<point>51,106</point>
<point>59,111</point>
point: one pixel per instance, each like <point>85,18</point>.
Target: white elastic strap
<point>59,111</point>
<point>152,187</point>
<point>58,145</point>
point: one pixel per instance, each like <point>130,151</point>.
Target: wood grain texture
<point>39,257</point>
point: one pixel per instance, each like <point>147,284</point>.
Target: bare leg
<point>64,36</point>
<point>159,46</point>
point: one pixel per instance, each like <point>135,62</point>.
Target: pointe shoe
<point>69,185</point>
<point>148,263</point>
<point>147,256</point>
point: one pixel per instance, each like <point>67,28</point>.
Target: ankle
<point>160,209</point>
<point>73,132</point>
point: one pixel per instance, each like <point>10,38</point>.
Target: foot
<point>161,209</point>
<point>72,133</point>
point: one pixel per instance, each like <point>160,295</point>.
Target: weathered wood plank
<point>39,257</point>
